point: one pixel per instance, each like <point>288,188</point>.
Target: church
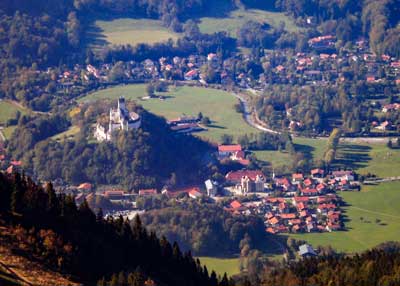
<point>120,119</point>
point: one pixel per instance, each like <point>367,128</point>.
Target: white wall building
<point>120,119</point>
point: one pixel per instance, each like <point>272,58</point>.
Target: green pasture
<point>221,265</point>
<point>184,100</point>
<point>123,31</point>
<point>372,217</point>
<point>235,19</point>
<point>375,158</point>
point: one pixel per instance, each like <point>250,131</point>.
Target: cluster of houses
<point>299,203</point>
<point>303,205</point>
<point>321,66</point>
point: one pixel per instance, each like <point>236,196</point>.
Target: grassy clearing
<point>8,111</point>
<point>216,104</point>
<point>314,148</point>
<point>8,131</point>
<point>68,134</point>
<point>221,265</point>
<point>366,158</point>
<point>125,31</point>
<point>276,158</point>
<point>373,217</point>
<point>237,18</point>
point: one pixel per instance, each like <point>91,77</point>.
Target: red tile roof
<point>298,176</point>
<point>229,148</point>
<point>85,186</point>
<point>236,205</point>
<point>288,216</point>
<point>236,176</point>
<point>147,192</point>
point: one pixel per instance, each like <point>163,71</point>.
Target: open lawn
<point>373,217</point>
<point>366,158</point>
<point>314,148</point>
<point>8,111</point>
<point>124,31</point>
<point>216,104</point>
<point>235,19</point>
<point>221,265</point>
<point>275,158</point>
<point>8,131</point>
<point>68,134</point>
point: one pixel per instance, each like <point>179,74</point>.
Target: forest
<point>205,228</point>
<point>378,266</point>
<point>52,230</point>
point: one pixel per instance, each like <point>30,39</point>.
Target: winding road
<point>251,119</point>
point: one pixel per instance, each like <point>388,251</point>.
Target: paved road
<point>252,121</point>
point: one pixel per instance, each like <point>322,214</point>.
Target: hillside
<point>40,228</point>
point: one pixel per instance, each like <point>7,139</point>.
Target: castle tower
<point>121,103</point>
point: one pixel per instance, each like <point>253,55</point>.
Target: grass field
<point>69,134</point>
<point>237,18</point>
<point>128,31</point>
<point>275,158</point>
<point>216,104</point>
<point>374,158</point>
<point>8,111</point>
<point>312,148</point>
<point>221,265</point>
<point>364,209</point>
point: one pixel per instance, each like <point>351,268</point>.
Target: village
<point>301,202</point>
<point>321,66</point>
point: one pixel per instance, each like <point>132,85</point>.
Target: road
<point>248,115</point>
<point>252,121</point>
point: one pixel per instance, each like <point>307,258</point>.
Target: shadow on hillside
<point>353,156</point>
<point>305,149</point>
<point>95,36</point>
<point>214,125</point>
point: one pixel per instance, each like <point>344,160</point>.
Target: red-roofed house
<point>309,192</point>
<point>148,192</point>
<point>236,176</point>
<point>308,182</point>
<point>317,173</point>
<point>298,177</point>
<point>273,221</point>
<point>114,195</point>
<point>225,151</point>
<point>288,216</point>
<point>236,205</point>
<point>85,186</point>
<point>300,206</point>
<point>298,200</point>
<point>195,193</point>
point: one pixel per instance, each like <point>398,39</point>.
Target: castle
<point>120,119</point>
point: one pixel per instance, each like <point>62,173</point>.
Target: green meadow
<point>372,217</point>
<point>123,31</point>
<point>8,111</point>
<point>236,18</point>
<point>184,100</point>
<point>230,266</point>
<point>365,158</point>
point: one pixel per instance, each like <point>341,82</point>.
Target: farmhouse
<point>120,119</point>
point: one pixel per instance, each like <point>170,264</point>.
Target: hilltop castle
<point>120,119</point>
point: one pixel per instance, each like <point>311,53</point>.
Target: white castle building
<point>120,119</point>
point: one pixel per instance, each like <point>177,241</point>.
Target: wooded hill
<point>72,240</point>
